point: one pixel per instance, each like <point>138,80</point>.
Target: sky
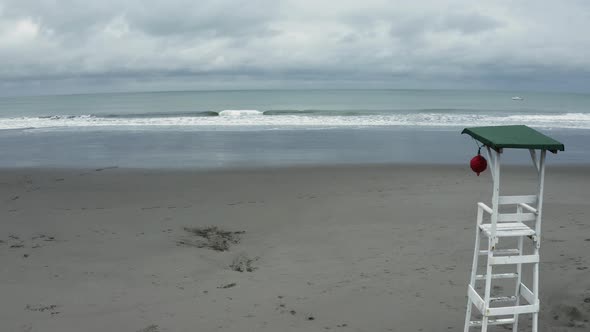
<point>81,46</point>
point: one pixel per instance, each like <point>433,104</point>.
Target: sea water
<point>229,129</point>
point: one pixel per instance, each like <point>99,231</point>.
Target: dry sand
<point>375,248</point>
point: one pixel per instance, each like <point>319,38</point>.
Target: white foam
<point>256,119</point>
<point>566,117</point>
<point>240,113</point>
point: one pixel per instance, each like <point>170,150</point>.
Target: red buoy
<point>478,164</point>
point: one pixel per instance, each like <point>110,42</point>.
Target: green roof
<point>515,137</point>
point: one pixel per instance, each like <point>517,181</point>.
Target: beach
<point>286,166</point>
<point>330,248</point>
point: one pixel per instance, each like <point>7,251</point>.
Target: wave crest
<point>302,119</point>
<point>240,113</point>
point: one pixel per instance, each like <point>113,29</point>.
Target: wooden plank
<point>502,299</point>
<point>515,310</point>
<point>518,280</point>
<point>492,162</point>
<point>500,321</point>
<point>485,207</point>
<point>528,207</point>
<point>501,252</point>
<point>476,299</point>
<point>508,229</point>
<point>529,199</point>
<point>507,217</point>
<point>514,259</point>
<point>497,276</point>
<point>533,153</point>
<point>527,294</point>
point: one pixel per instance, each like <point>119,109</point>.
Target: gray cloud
<point>469,23</point>
<point>110,44</point>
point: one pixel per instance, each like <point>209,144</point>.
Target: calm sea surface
<point>230,129</point>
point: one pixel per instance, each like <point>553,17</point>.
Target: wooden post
<point>492,240</point>
<point>537,238</point>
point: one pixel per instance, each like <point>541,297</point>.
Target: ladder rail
<point>492,240</point>
<point>473,277</point>
<point>537,239</point>
<point>528,207</point>
<point>519,277</point>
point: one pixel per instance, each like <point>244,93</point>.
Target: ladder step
<point>513,310</point>
<point>524,259</point>
<point>528,199</point>
<point>497,276</point>
<point>502,299</point>
<point>501,252</point>
<point>508,229</point>
<point>500,321</point>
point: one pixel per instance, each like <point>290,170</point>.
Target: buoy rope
<point>478,146</point>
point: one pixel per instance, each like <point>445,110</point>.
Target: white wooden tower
<point>509,217</point>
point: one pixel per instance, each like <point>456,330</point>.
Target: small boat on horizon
<point>517,98</point>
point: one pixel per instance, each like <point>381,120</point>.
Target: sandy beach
<point>346,248</point>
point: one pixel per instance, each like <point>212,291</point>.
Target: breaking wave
<point>240,113</point>
<point>277,119</point>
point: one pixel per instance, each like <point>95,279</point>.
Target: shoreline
<point>300,167</point>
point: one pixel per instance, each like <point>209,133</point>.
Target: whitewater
<point>294,119</point>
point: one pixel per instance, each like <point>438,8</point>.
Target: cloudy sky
<point>72,46</point>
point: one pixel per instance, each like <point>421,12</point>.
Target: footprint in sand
<point>570,316</point>
<point>105,168</point>
<point>230,285</point>
<point>150,207</point>
<point>243,263</point>
<point>151,328</point>
<point>211,237</point>
<point>52,308</point>
<point>306,196</point>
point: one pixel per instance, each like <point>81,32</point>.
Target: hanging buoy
<point>478,163</point>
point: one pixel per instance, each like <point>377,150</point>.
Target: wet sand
<point>347,248</point>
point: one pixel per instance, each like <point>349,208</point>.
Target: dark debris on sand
<point>570,316</point>
<point>233,284</point>
<point>211,237</point>
<point>151,328</point>
<point>42,308</point>
<point>243,263</point>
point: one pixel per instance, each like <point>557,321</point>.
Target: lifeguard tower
<point>522,223</point>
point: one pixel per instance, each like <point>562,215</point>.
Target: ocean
<point>268,128</point>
